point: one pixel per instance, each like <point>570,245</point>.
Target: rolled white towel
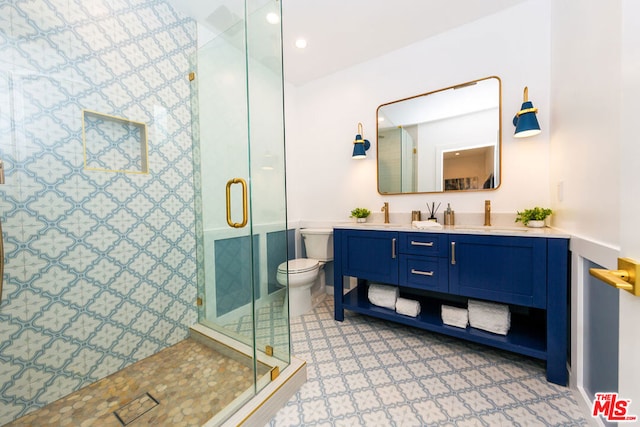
<point>455,316</point>
<point>383,295</point>
<point>490,316</point>
<point>408,307</point>
<point>426,225</point>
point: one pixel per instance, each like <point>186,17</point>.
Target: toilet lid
<point>298,265</point>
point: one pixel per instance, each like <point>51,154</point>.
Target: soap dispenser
<point>449,218</point>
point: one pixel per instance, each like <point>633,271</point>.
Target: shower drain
<point>135,409</point>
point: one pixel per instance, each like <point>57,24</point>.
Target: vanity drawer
<point>429,273</point>
<point>429,244</point>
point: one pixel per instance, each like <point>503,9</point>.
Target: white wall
<point>585,118</point>
<point>595,152</point>
<point>324,183</point>
<point>629,201</point>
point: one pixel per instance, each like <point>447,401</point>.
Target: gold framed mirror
<point>446,140</point>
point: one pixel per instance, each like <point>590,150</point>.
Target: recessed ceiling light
<point>457,154</point>
<point>301,43</point>
<point>273,18</point>
<point>381,119</point>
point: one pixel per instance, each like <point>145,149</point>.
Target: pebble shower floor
<point>183,385</point>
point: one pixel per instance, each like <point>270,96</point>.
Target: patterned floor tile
<point>368,372</point>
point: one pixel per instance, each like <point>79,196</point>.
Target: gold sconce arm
<point>525,98</point>
<point>526,110</point>
<point>622,278</point>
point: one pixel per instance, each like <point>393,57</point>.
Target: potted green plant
<point>534,217</point>
<point>360,214</point>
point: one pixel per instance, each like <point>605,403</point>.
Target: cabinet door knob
<point>453,253</point>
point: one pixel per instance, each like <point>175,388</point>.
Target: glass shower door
<point>267,170</point>
<point>237,99</point>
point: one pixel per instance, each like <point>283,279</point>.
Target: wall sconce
<point>525,120</point>
<point>360,145</point>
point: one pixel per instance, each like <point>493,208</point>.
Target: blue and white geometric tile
<point>79,242</point>
<point>368,372</point>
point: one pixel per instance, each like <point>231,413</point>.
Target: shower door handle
<point>245,216</point>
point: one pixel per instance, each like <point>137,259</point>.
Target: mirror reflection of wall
<point>398,161</point>
<point>459,134</point>
<point>470,169</point>
<point>447,140</point>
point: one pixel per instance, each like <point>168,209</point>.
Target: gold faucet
<point>385,209</point>
<point>487,212</point>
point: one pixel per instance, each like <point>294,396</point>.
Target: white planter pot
<point>536,224</point>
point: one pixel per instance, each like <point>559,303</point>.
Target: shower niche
<point>114,144</point>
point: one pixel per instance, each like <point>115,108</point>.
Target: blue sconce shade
<point>360,145</point>
<point>525,120</point>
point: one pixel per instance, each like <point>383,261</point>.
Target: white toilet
<point>304,273</point>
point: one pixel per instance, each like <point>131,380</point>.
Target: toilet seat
<point>298,265</point>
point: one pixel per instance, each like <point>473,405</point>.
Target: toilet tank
<point>318,243</point>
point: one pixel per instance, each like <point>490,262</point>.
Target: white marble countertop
<point>498,230</point>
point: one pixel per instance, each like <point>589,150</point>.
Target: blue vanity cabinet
<point>528,273</point>
<point>370,255</point>
<point>367,255</point>
<point>511,270</point>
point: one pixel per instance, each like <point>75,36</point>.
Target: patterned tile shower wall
<point>100,266</point>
